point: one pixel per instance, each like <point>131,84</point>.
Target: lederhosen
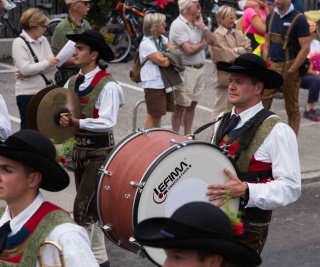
<point>90,150</point>
<point>242,151</point>
<point>22,248</point>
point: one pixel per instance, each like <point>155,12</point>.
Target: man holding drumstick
<point>100,97</point>
<point>265,150</point>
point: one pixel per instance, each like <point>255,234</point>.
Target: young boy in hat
<point>101,98</point>
<point>264,148</point>
<point>27,163</point>
<point>198,234</point>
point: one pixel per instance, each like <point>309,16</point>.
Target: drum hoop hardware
<point>104,227</point>
<point>145,132</point>
<point>119,243</point>
<point>105,172</point>
<point>140,252</point>
<point>127,196</point>
<point>173,142</point>
<point>107,187</point>
<point>138,185</point>
<point>225,149</point>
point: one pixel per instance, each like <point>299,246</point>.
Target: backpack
<point>136,68</point>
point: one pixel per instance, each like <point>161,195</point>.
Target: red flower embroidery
<point>238,229</point>
<point>268,64</point>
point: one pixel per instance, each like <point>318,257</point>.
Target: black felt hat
<point>253,65</point>
<point>37,151</point>
<point>94,39</point>
<point>199,226</point>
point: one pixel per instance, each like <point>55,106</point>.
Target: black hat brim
<point>105,51</point>
<point>150,233</point>
<point>55,178</point>
<point>270,78</point>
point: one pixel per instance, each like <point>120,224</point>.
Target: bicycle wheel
<point>50,29</point>
<point>119,40</point>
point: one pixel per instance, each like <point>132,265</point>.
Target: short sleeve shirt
<point>280,26</point>
<point>180,32</point>
<point>150,72</point>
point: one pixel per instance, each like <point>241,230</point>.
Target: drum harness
<point>245,135</point>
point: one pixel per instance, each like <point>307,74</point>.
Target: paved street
<point>294,235</point>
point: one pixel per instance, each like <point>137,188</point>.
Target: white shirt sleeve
<point>5,124</point>
<point>75,245</point>
<point>110,100</point>
<point>281,148</point>
<point>241,4</point>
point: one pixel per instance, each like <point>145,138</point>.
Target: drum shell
<point>126,164</point>
<point>147,160</point>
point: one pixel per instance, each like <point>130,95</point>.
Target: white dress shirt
<point>5,123</point>
<point>71,237</point>
<point>281,149</point>
<point>111,98</point>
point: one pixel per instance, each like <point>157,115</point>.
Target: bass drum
<point>151,174</point>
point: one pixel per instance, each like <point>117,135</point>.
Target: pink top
<point>248,15</point>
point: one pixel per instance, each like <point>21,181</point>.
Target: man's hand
<point>66,120</point>
<point>199,22</point>
<point>235,188</point>
<point>18,75</point>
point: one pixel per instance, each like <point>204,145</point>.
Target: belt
<point>198,66</point>
<point>256,216</point>
<point>85,140</point>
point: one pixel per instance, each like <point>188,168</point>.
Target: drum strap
<point>248,131</point>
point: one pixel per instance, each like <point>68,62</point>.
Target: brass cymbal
<point>44,107</point>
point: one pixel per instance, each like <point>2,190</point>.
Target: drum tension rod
<point>104,227</point>
<point>133,241</point>
<point>140,186</point>
<point>174,142</point>
<point>105,172</point>
<point>145,132</point>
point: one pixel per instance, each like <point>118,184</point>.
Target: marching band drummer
<point>266,154</point>
<point>100,97</point>
<point>27,163</point>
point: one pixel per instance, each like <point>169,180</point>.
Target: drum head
<point>179,176</point>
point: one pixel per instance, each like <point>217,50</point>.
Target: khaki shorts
<point>158,101</point>
<point>191,87</point>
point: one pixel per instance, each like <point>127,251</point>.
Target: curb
<point>310,177</point>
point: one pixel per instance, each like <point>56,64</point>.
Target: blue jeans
<point>23,102</point>
<point>312,83</point>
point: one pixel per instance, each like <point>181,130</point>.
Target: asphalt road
<point>294,238</point>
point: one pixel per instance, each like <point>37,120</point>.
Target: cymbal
<point>44,109</point>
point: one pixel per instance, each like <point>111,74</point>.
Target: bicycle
<point>46,7</point>
<point>124,28</point>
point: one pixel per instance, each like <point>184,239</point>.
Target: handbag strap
<point>36,60</point>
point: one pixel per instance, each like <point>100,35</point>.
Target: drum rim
<point>151,168</point>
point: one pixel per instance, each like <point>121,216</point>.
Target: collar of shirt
<point>88,78</point>
<point>187,22</point>
<point>17,222</point>
<point>247,114</point>
<point>291,8</point>
<point>30,40</point>
<point>226,31</point>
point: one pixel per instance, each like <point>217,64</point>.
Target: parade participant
<point>101,97</point>
<point>190,36</point>
<point>5,123</point>
<point>264,148</point>
<point>287,46</point>
<point>198,234</point>
<point>27,163</point>
<point>74,23</point>
<point>33,73</point>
